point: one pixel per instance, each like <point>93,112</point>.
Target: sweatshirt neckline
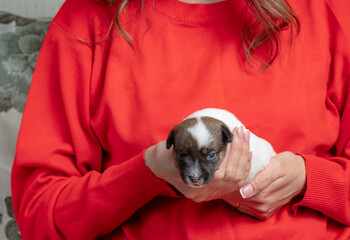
<point>198,13</point>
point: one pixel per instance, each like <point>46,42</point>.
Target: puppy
<point>200,143</point>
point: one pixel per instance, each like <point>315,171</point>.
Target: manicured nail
<point>240,132</point>
<point>246,191</point>
<point>246,136</point>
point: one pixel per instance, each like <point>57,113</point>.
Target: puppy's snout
<point>194,178</point>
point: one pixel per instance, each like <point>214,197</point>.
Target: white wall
<point>31,8</point>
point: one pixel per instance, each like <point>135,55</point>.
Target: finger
<point>237,169</point>
<point>252,212</point>
<point>235,152</point>
<point>214,190</point>
<point>262,180</point>
<point>246,209</point>
<point>228,157</point>
<point>224,177</point>
<point>236,166</point>
<point>252,208</point>
<point>244,163</point>
<point>219,191</point>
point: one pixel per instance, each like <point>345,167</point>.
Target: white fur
<point>201,134</point>
<point>262,150</point>
<point>225,116</point>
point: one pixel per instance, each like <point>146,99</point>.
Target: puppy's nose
<point>194,179</point>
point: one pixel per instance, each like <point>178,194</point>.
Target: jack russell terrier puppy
<point>200,143</point>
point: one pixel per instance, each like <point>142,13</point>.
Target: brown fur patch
<point>184,140</point>
<point>189,154</point>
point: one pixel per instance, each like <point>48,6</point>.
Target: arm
<point>328,175</point>
<point>323,184</point>
<point>282,180</point>
<point>327,188</point>
<point>58,181</point>
<point>322,180</point>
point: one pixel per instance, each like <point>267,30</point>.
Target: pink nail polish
<point>246,191</point>
<point>246,136</point>
<point>240,132</point>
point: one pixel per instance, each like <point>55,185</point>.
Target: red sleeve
<point>60,190</point>
<point>328,178</point>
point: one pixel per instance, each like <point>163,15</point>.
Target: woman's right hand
<point>228,178</point>
<point>161,161</point>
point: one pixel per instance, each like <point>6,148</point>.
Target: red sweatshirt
<point>93,109</point>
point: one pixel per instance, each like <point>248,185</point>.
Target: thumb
<point>258,183</point>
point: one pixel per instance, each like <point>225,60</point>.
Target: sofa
<point>20,42</point>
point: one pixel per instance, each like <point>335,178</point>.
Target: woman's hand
<point>228,178</point>
<point>282,180</point>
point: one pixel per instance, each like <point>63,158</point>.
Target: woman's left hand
<point>282,180</point>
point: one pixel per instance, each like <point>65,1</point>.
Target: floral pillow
<point>20,42</point>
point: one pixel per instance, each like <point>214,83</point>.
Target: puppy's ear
<point>170,140</point>
<point>226,133</point>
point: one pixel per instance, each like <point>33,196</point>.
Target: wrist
<point>149,158</point>
<point>302,175</point>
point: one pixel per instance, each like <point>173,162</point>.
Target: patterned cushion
<point>20,41</point>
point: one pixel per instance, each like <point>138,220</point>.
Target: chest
<point>145,93</point>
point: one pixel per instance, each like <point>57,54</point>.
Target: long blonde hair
<point>271,17</point>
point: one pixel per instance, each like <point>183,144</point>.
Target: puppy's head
<point>200,146</point>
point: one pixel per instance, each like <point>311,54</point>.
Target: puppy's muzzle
<point>195,179</point>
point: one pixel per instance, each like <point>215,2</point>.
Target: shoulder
<point>339,12</point>
<point>85,19</point>
<point>334,12</point>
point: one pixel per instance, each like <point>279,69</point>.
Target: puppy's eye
<point>211,156</point>
<point>181,155</point>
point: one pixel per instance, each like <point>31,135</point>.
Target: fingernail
<point>246,191</point>
<point>246,136</point>
<point>240,132</point>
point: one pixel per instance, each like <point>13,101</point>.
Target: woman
<point>111,81</point>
